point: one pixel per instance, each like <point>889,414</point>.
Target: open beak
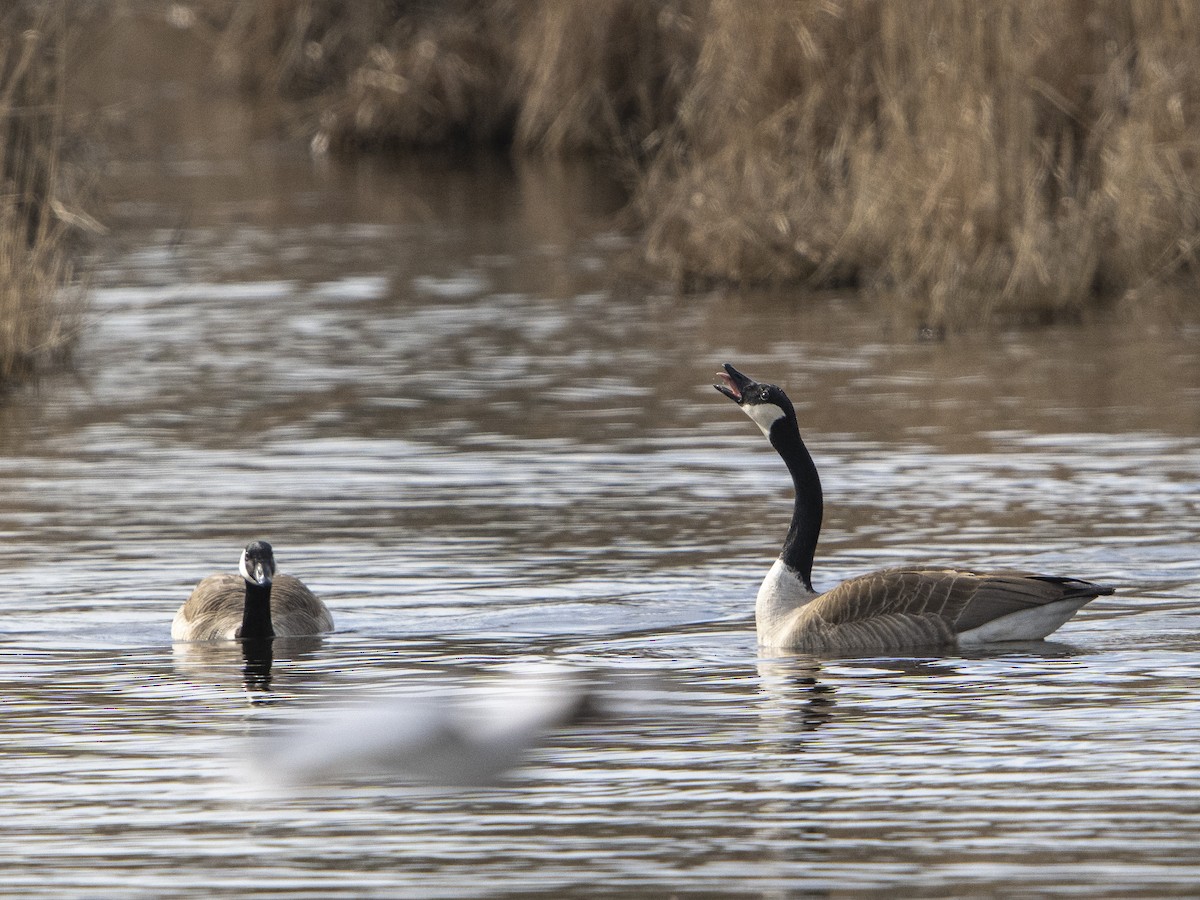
<point>733,384</point>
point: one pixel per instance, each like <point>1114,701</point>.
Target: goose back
<point>214,609</point>
<point>901,608</point>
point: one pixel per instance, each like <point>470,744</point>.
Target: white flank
<point>1027,625</point>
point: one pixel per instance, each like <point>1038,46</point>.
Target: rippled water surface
<point>432,390</point>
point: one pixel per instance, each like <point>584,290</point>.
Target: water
<point>426,386</point>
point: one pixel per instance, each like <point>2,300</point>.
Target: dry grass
<point>375,73</point>
<point>39,310</point>
<point>972,160</point>
<point>603,76</point>
<point>969,161</point>
<point>551,77</point>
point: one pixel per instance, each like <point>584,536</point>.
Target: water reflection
<point>249,663</point>
<point>793,688</point>
<point>258,656</point>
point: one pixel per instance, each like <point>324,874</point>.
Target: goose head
<point>766,404</point>
<point>258,564</point>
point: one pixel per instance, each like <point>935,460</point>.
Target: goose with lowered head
<point>258,604</point>
<point>891,609</point>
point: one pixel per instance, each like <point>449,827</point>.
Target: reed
<point>963,161</point>
<point>39,309</point>
<point>374,74</point>
<point>546,77</point>
<point>966,161</point>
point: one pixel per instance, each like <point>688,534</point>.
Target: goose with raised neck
<point>890,609</point>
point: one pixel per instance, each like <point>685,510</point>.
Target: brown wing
<point>212,611</point>
<point>896,608</point>
<point>888,609</point>
<point>295,610</point>
<point>1003,593</point>
<point>215,608</point>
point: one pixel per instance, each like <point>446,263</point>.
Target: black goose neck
<point>256,616</point>
<point>800,545</point>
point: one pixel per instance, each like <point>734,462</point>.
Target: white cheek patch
<point>242,568</point>
<point>764,415</point>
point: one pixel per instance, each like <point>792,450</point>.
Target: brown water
<point>429,386</point>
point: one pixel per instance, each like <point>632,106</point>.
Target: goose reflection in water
<point>793,686</point>
<point>257,656</point>
<point>252,663</point>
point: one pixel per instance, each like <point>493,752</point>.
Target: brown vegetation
<point>973,160</point>
<point>39,311</point>
<point>551,77</point>
<point>427,76</point>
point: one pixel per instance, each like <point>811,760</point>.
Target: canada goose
<point>892,608</point>
<point>259,605</point>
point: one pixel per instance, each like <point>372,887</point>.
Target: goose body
<point>891,609</point>
<point>256,604</point>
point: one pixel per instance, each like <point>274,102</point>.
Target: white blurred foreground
<point>472,737</point>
